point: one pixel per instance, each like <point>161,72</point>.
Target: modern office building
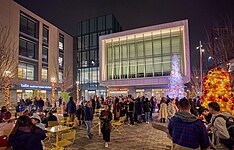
<point>138,61</point>
<point>87,54</point>
<point>43,52</point>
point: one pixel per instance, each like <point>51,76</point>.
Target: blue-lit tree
<point>176,86</point>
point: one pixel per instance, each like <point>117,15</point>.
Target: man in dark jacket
<point>131,110</point>
<point>139,107</point>
<point>40,104</point>
<point>71,109</point>
<point>50,117</point>
<point>186,130</point>
<point>88,117</point>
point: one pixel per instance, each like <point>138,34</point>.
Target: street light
<point>77,92</point>
<point>53,91</point>
<point>201,51</point>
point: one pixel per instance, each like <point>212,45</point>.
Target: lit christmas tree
<point>217,88</point>
<point>176,86</point>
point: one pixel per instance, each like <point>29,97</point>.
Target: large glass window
<point>26,71</point>
<point>61,42</point>
<point>60,60</point>
<point>45,54</point>
<point>143,55</point>
<point>45,34</point>
<point>93,25</point>
<point>44,74</point>
<point>60,76</point>
<point>27,48</point>
<point>28,25</point>
<point>109,21</point>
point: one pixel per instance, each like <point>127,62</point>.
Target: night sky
<point>202,14</point>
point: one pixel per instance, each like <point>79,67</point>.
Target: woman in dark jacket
<point>25,135</point>
<point>106,117</point>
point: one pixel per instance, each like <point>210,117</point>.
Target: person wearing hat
<point>36,120</point>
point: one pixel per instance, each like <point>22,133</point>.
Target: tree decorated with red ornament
<point>217,88</point>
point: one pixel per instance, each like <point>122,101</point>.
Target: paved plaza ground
<point>140,136</point>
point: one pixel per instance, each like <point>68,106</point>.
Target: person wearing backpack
<point>223,126</point>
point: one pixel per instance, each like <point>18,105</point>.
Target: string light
<point>176,86</point>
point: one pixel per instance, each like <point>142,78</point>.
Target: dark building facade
<point>87,53</point>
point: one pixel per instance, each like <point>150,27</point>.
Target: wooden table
<point>57,129</point>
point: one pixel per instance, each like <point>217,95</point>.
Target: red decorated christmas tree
<point>217,88</point>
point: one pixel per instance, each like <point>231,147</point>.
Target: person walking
<point>106,117</point>
<point>71,109</point>
<point>88,118</point>
<point>163,114</point>
<point>26,136</point>
<point>186,130</point>
<point>172,108</point>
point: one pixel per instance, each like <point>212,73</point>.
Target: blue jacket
<point>188,131</point>
<point>71,107</point>
<point>88,113</point>
<point>25,139</point>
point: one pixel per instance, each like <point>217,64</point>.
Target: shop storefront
<point>24,91</point>
<point>118,92</point>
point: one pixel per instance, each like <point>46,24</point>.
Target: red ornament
<point>212,99</point>
<point>225,100</point>
<point>233,99</point>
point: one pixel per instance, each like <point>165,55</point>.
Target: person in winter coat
<point>139,109</point>
<point>152,104</point>
<point>88,118</point>
<point>219,127</point>
<point>106,117</point>
<point>71,109</point>
<point>147,106</point>
<point>80,113</point>
<point>26,136</point>
<point>40,104</point>
<point>163,114</point>
<point>187,131</point>
<point>36,120</point>
<point>47,103</point>
<point>172,108</point>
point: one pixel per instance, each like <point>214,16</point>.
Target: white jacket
<point>219,125</point>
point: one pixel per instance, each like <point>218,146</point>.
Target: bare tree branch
<point>220,44</point>
<point>8,56</point>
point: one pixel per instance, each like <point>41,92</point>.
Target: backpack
<point>230,128</point>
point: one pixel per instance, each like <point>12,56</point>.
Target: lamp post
<point>77,92</point>
<point>53,91</point>
<point>201,51</point>
<point>7,87</point>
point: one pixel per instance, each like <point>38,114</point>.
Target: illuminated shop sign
<point>34,86</point>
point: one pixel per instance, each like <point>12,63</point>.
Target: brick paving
<point>140,136</point>
<point>137,137</point>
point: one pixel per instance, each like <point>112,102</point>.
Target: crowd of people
<point>190,125</point>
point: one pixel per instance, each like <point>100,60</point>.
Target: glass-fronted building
<point>87,55</point>
<point>138,61</point>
